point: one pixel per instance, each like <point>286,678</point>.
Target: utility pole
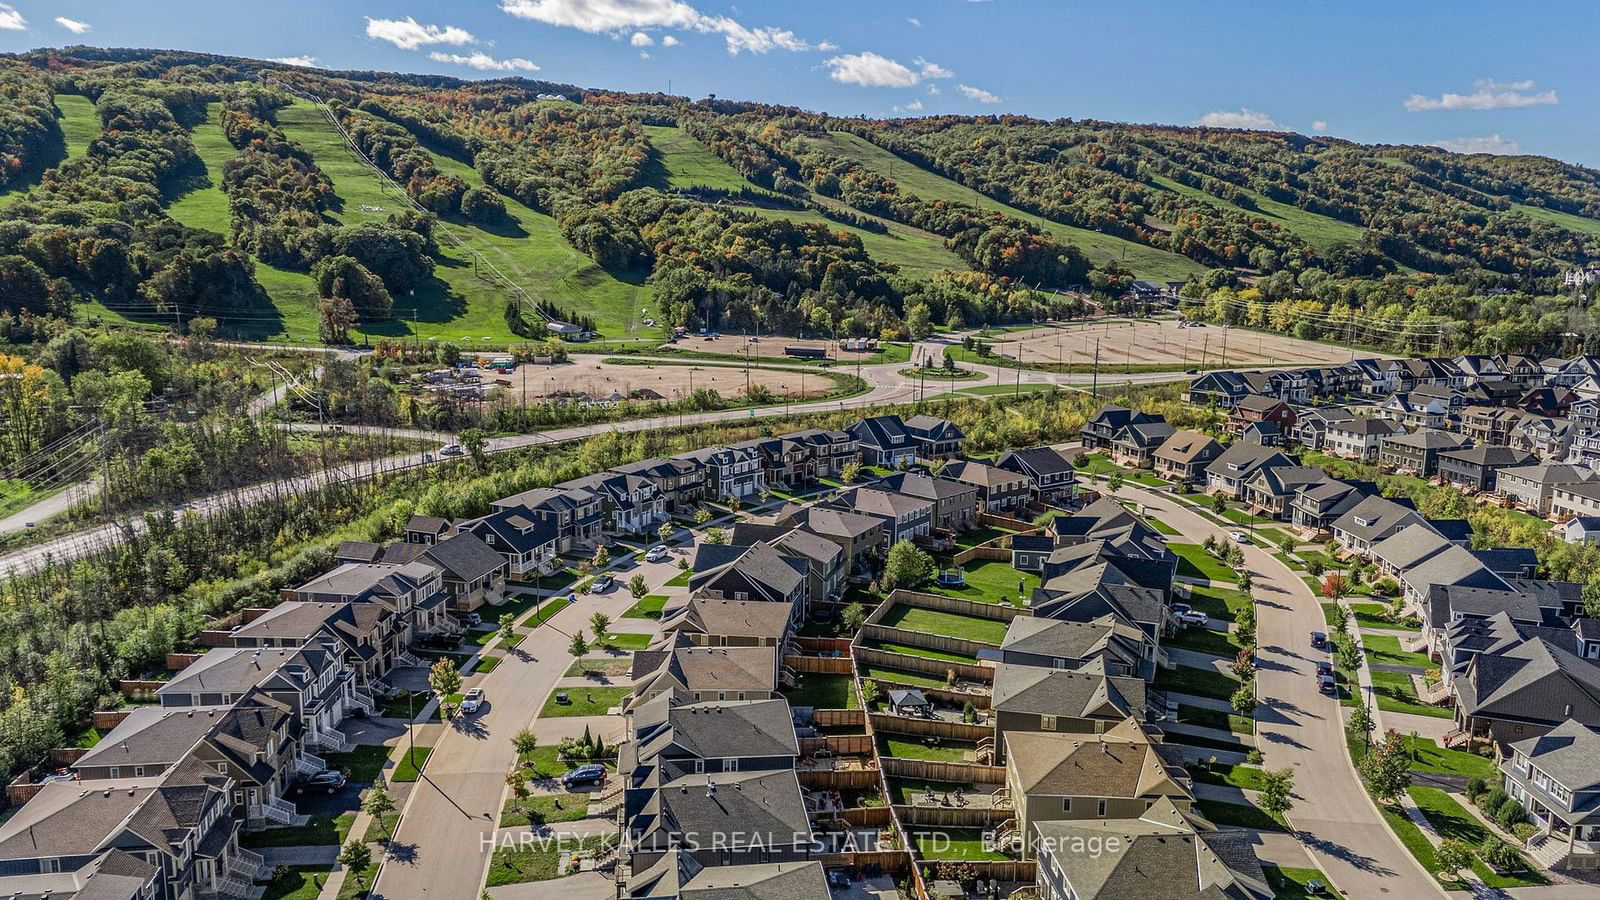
<point>1095,385</point>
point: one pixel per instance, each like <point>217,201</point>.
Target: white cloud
<point>72,25</point>
<point>870,70</point>
<point>1243,117</point>
<point>1319,125</point>
<point>827,47</point>
<point>11,20</point>
<point>978,94</point>
<point>306,62</point>
<point>914,22</point>
<point>933,90</point>
<point>640,39</point>
<point>1489,143</point>
<point>408,34</point>
<point>644,54</point>
<point>931,69</point>
<point>603,16</point>
<point>1488,95</point>
<point>484,62</point>
<point>669,41</point>
<point>913,106</point>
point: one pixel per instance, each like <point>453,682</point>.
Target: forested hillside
<point>151,187</point>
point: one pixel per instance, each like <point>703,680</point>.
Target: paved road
<point>1299,727</point>
<point>448,829</point>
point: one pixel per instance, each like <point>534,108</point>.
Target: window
<point>730,765</point>
<point>114,772</point>
<point>1047,723</point>
<point>699,766</point>
<point>1102,809</point>
<point>1066,804</point>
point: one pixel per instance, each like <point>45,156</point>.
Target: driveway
<point>1298,727</point>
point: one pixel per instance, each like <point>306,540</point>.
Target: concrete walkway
<point>1215,734</point>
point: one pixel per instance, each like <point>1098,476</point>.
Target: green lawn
<point>203,205</point>
<point>980,535</point>
<point>1369,615</point>
<point>1245,778</point>
<point>955,844</point>
<point>1429,758</point>
<point>1160,526</point>
<point>647,608</point>
<point>1385,650</point>
<point>1213,718</point>
<point>586,701</point>
<point>1195,562</point>
<point>488,664</point>
<point>679,580</point>
<point>550,808</point>
<point>1290,883</point>
<point>1451,821</point>
<point>296,883</point>
<point>1395,694</point>
<point>900,676</point>
<point>1145,262</point>
<point>409,767</point>
<point>914,748</point>
<point>536,861</point>
<point>990,581</point>
<point>1320,231</point>
<point>1238,815</point>
<point>627,640</point>
<point>546,611</point>
<point>364,764</point>
<point>1218,603</point>
<point>320,831</point>
<point>953,625</point>
<point>1200,682</point>
<point>1204,640</point>
<point>555,581</point>
<point>923,652</point>
<point>608,666</point>
<point>824,692</point>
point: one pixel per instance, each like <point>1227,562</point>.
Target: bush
<point>1500,855</point>
<point>1491,802</point>
<point>1476,787</point>
<point>1253,757</point>
<point>1510,814</point>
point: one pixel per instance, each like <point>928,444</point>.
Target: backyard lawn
<point>953,625</point>
<point>914,748</point>
<point>923,652</point>
<point>1195,562</point>
<point>823,692</point>
<point>957,844</point>
<point>990,581</point>
<point>584,701</point>
<point>979,535</point>
<point>899,676</point>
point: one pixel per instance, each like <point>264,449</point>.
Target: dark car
<point>440,640</point>
<point>593,773</point>
<point>1327,684</point>
<point>1318,639</point>
<point>327,780</point>
<point>1324,667</point>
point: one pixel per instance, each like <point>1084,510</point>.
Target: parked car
<point>602,584</point>
<point>1239,537</point>
<point>1193,617</point>
<point>1318,639</point>
<point>451,450</point>
<point>658,553</point>
<point>473,701</point>
<point>328,780</point>
<point>1324,667</point>
<point>1327,684</point>
<point>593,773</point>
<point>471,619</point>
<point>439,640</point>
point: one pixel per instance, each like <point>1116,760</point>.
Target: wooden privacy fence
<point>992,611</point>
<point>939,668</point>
<point>838,744</point>
<point>990,550</point>
<point>939,642</point>
<point>838,779</point>
<point>838,718</point>
<point>928,770</point>
<point>952,816</point>
<point>996,520</point>
<point>177,662</point>
<point>868,816</point>
<point>955,731</point>
<point>887,860</point>
<point>133,687</point>
<point>815,645</point>
<point>822,665</point>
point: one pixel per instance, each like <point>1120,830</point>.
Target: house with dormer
<point>1228,473</point>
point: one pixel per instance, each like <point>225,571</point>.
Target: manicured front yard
<point>1429,758</point>
<point>1203,640</point>
<point>1385,650</point>
<point>1245,778</point>
<point>1200,682</point>
<point>627,640</point>
<point>1291,883</point>
<point>1238,815</point>
<point>546,611</point>
<point>1160,526</point>
<point>990,581</point>
<point>1218,603</point>
<point>1195,562</point>
<point>1451,821</point>
<point>536,861</point>
<point>607,667</point>
<point>584,701</point>
<point>1395,694</point>
<point>1215,718</point>
<point>320,831</point>
<point>953,625</point>
<point>547,808</point>
<point>821,691</point>
<point>363,764</point>
<point>547,763</point>
<point>296,883</point>
<point>647,608</point>
<point>679,580</point>
<point>410,765</point>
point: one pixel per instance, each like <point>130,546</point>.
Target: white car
<point>658,553</point>
<point>1193,617</point>
<point>1239,537</point>
<point>473,701</point>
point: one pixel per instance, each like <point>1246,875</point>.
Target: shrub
<point>1510,814</point>
<point>1500,855</point>
<point>1476,787</point>
<point>1491,802</point>
<point>1253,757</point>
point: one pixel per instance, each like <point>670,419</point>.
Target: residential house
<point>1545,437</point>
<point>1051,474</point>
<point>1271,490</point>
<point>1555,779</point>
<point>681,481</point>
<point>1001,491</point>
<point>1358,438</point>
<point>704,674</point>
<point>1317,505</point>
<point>1311,425</point>
<point>527,542</point>
<point>1136,445</point>
<point>678,874</point>
<point>1029,698</point>
<point>577,516</point>
<point>1267,434</point>
<point>471,573</point>
<point>1502,393</point>
<point>955,503</point>
<point>1489,424</point>
<point>904,517</point>
<point>1581,530</point>
<point>314,682</point>
<point>713,622</point>
<point>1228,473</point>
<point>1099,432</point>
<point>1029,551</point>
<point>1452,567</point>
<point>365,633</point>
<point>1525,690</point>
<point>831,451</point>
<point>1103,645</point>
<point>735,472</point>
<point>1417,453</point>
<point>1408,547</point>
<point>414,591</point>
<point>1222,389</point>
<point>1184,455</point>
<point>759,572</point>
<point>1117,774</point>
<point>935,438</point>
<point>861,537</point>
<point>788,463</point>
<point>757,817</point>
<point>1372,520</point>
<point>1475,469</point>
<point>1533,487</point>
<point>1414,411</point>
<point>1582,499</point>
<point>1524,370</point>
<point>825,563</point>
<point>1478,369</point>
<point>671,737</point>
<point>1257,408</point>
<point>884,441</point>
<point>1190,858</point>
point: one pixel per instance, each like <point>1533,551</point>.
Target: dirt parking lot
<point>771,348</point>
<point>1128,342</point>
<point>592,376</point>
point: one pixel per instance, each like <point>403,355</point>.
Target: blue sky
<point>1466,74</point>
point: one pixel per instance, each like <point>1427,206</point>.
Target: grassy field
<point>1321,232</point>
<point>913,251</point>
<point>80,123</point>
<point>584,702</point>
<point>1146,262</point>
<point>824,692</point>
<point>1579,224</point>
<point>932,621</point>
<point>681,163</point>
<point>1195,562</point>
<point>990,581</point>
<point>199,201</point>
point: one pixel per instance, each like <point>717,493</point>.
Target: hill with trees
<point>150,187</point>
